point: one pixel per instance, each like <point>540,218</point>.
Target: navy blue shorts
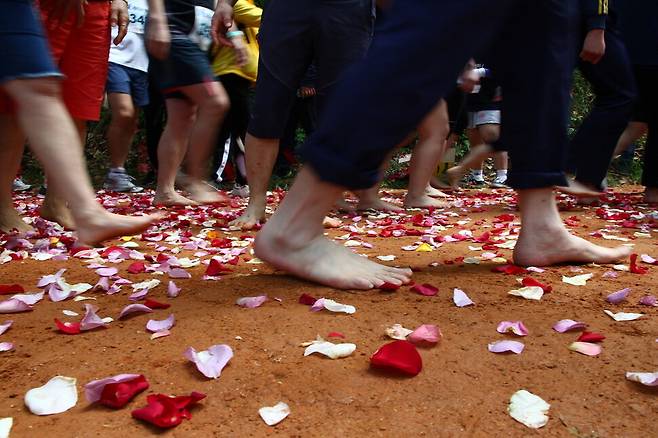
<point>126,80</point>
<point>23,45</point>
<point>186,65</point>
<point>330,34</point>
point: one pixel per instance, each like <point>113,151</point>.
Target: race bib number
<point>201,32</point>
<point>137,16</point>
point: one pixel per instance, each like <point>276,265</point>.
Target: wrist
<point>234,34</point>
<point>124,1</point>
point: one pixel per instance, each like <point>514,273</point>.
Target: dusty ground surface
<point>463,390</point>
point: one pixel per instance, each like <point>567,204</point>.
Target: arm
<point>222,20</point>
<point>157,35</point>
<point>247,14</point>
<point>119,17</point>
<point>595,13</point>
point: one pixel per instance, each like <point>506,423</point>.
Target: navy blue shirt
<point>638,20</point>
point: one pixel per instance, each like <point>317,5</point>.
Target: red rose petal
<point>509,269</point>
<point>425,289</point>
<point>10,289</point>
<point>70,328</point>
<point>216,268</point>
<point>590,337</point>
<point>529,281</point>
<point>156,304</point>
<point>166,411</point>
<point>336,335</point>
<point>137,268</point>
<point>117,395</point>
<point>400,356</point>
<point>634,268</point>
<point>307,299</point>
<point>389,286</point>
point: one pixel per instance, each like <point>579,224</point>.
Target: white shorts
<point>490,117</point>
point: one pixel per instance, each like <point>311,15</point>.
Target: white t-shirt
<point>132,51</point>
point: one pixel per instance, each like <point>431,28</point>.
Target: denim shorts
<point>126,80</point>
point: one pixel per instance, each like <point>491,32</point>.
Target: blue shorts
<point>24,47</point>
<point>126,80</point>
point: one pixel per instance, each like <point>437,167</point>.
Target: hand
<point>469,79</point>
<point>222,20</point>
<point>306,92</point>
<point>119,17</point>
<point>59,10</point>
<point>594,46</point>
<point>240,50</point>
<point>158,36</point>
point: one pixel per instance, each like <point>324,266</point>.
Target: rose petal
<point>528,409</point>
<point>251,302</point>
<point>329,349</point>
<point>332,306</point>
<point>509,269</point>
<point>173,290</point>
<point>5,326</point>
<point>8,289</point>
<point>389,286</point>
<point>566,325</point>
<point>578,280</point>
<point>529,281</point>
<point>649,300</point>
<point>210,362</point>
<point>167,411</point>
<point>506,346</point>
<point>13,305</point>
<point>307,299</point>
<point>425,289</point>
<point>396,331</point>
<point>133,308</point>
<point>516,327</point>
<point>70,328</point>
<point>622,316</point>
<point>5,426</point>
<point>155,304</point>
<point>586,348</point>
<point>116,391</point>
<point>529,293</point>
<point>29,299</point>
<point>273,415</point>
<point>425,335</point>
<point>107,272</point>
<point>91,321</point>
<point>156,326</point>
<point>619,296</point>
<point>160,334</point>
<point>6,346</point>
<point>647,379</point>
<point>58,395</point>
<point>137,268</point>
<point>460,298</point>
<point>399,356</point>
<point>179,273</point>
<point>634,268</point>
<point>590,337</point>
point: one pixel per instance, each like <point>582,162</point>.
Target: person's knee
<point>489,133</point>
<point>218,104</point>
<point>36,89</point>
<point>125,116</point>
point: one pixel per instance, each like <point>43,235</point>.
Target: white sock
<point>117,170</point>
<point>477,173</point>
<point>502,173</point>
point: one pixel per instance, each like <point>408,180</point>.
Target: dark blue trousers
<point>613,85</point>
<point>417,53</point>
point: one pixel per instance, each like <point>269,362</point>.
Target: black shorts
<point>186,65</point>
<point>331,34</point>
<point>647,83</point>
<point>457,114</point>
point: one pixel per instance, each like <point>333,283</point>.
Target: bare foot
<point>437,183</point>
<point>377,204</point>
<point>578,189</point>
<point>55,210</point>
<point>435,193</point>
<point>325,262</point>
<point>651,195</point>
<point>558,246</point>
<point>100,225</point>
<point>10,220</point>
<point>203,193</point>
<point>344,206</point>
<point>331,222</point>
<point>171,199</point>
<point>423,201</point>
<point>249,218</point>
<point>455,174</point>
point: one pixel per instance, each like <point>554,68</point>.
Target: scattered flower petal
<point>528,409</point>
<point>399,356</point>
<point>273,415</point>
<point>529,293</point>
<point>649,300</point>
<point>156,304</point>
<point>516,327</point>
<point>425,335</point>
<point>13,305</point>
<point>5,326</point>
<point>167,411</point>
<point>647,379</point>
<point>6,346</point>
<point>91,320</point>
<point>107,272</point>
<point>619,296</point>
<point>115,392</point>
<point>529,281</point>
<point>634,268</point>
<point>58,395</point>
<point>160,334</point>
<point>332,306</point>
<point>5,426</point>
<point>586,348</point>
<point>396,331</point>
<point>425,289</point>
<point>578,280</point>
<point>566,325</point>
<point>8,289</point>
<point>70,328</point>
<point>623,316</point>
<point>173,290</point>
<point>134,308</point>
<point>590,337</point>
<point>156,326</point>
<point>460,298</point>
<point>251,302</point>
<point>210,362</point>
<point>329,349</point>
<point>506,346</point>
<point>307,299</point>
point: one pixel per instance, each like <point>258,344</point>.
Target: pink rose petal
<point>50,279</point>
<point>619,296</point>
<point>506,346</point>
<point>179,273</point>
<point>157,326</point>
<point>210,362</point>
<point>94,389</point>
<point>586,348</point>
<point>566,325</point>
<point>13,305</point>
<point>173,290</point>
<point>649,300</point>
<point>425,289</point>
<point>647,379</point>
<point>135,296</point>
<point>318,305</point>
<point>160,334</point>
<point>103,284</point>
<point>6,346</point>
<point>251,302</point>
<point>610,274</point>
<point>107,272</point>
<point>5,326</point>
<point>133,308</point>
<point>56,294</point>
<point>91,320</point>
<point>29,299</point>
<point>461,299</point>
<point>648,259</point>
<point>426,334</point>
<point>516,327</point>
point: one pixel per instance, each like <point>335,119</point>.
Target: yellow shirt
<point>247,16</point>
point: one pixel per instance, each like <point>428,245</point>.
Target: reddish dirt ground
<point>463,390</point>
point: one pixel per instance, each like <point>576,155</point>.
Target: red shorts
<point>82,52</point>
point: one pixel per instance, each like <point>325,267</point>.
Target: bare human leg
<point>432,134</point>
<point>293,240</point>
<point>545,241</point>
<point>52,135</point>
<point>122,128</point>
<point>11,153</point>
<point>171,151</point>
<point>631,134</point>
<point>260,154</point>
<point>212,104</point>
